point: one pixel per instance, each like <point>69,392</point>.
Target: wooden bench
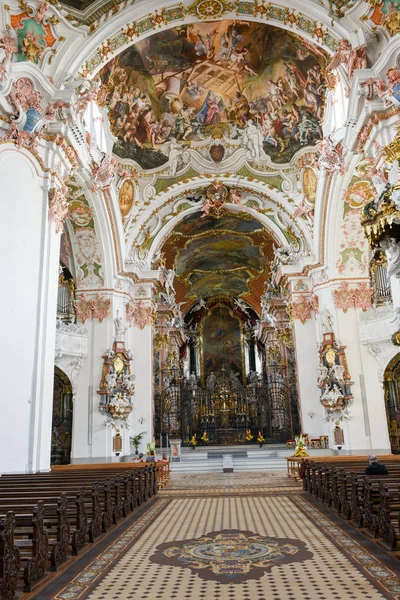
<point>10,558</point>
<point>46,516</point>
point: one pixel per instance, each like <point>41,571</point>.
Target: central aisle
<point>235,537</point>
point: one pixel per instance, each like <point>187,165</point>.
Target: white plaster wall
<point>376,404</point>
<point>367,428</point>
<point>91,440</point>
<point>307,364</point>
<point>141,343</point>
<point>29,248</point>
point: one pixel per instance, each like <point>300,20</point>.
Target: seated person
<point>165,457</point>
<point>375,468</point>
<point>140,458</point>
<point>151,457</point>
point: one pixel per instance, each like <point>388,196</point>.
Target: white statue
<point>169,280</point>
<point>119,328</point>
<point>333,395</point>
<point>192,381</point>
<point>211,381</point>
<point>326,321</point>
<point>338,372</point>
<point>322,373</point>
<point>253,378</point>
<point>234,377</point>
<point>127,382</point>
<point>111,381</point>
<point>239,303</point>
<point>174,154</point>
<point>392,251</point>
<point>253,139</point>
<point>199,305</point>
<point>382,185</point>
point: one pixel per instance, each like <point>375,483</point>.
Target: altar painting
<point>221,343</point>
<point>178,85</point>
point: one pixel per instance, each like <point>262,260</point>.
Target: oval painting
<point>310,184</point>
<point>125,197</point>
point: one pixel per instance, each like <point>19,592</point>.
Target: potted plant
<point>193,441</point>
<point>260,439</point>
<point>135,441</point>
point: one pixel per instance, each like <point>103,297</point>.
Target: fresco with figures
<point>219,257</point>
<point>242,78</point>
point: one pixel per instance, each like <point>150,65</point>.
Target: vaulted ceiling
<point>219,257</point>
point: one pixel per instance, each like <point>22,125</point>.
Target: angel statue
<point>111,381</point>
<point>392,250</point>
<point>239,303</point>
<point>322,373</point>
<point>199,305</point>
<point>128,382</point>
<point>382,186</point>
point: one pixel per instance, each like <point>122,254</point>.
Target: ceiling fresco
<point>180,85</point>
<point>229,256</point>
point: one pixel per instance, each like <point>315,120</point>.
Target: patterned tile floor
<point>268,546</point>
<point>240,483</point>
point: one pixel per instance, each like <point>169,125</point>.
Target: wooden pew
<point>30,537</point>
<point>58,512</point>
<point>10,558</point>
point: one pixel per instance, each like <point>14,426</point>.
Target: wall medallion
<point>310,183</point>
<point>125,197</point>
<point>217,152</point>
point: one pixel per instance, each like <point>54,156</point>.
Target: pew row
<point>370,502</point>
<point>46,517</point>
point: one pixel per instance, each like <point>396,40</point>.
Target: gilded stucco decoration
<point>387,14</point>
<point>35,32</point>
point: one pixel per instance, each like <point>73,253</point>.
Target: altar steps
<point>209,459</point>
<point>203,460</point>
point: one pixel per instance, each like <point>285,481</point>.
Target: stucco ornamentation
<point>58,207</point>
<point>358,297</point>
<point>302,309</point>
<point>140,314</point>
<point>96,308</point>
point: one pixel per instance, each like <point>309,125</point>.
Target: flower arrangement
<point>204,437</point>
<point>193,441</point>
<point>300,446</point>
<point>150,446</point>
<point>260,438</point>
<point>249,437</point>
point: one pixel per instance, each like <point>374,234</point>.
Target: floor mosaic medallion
<point>231,556</point>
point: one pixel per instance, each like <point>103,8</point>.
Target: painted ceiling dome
<point>219,257</point>
<point>240,79</point>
